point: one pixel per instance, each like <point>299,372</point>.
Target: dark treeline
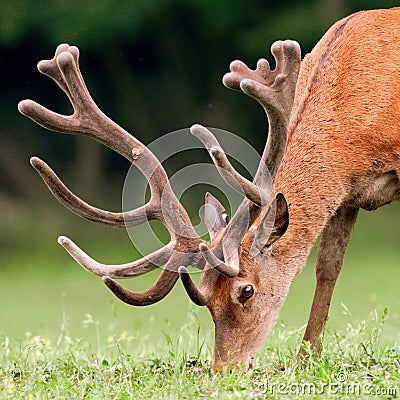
<point>153,66</point>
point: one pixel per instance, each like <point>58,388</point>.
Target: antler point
<point>63,240</point>
<point>35,161</point>
<point>24,105</point>
<point>195,127</point>
<point>246,85</point>
<point>237,65</point>
<point>182,270</point>
<point>203,247</point>
<point>62,47</point>
<point>65,58</point>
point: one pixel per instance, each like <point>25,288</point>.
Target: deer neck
<point>313,197</point>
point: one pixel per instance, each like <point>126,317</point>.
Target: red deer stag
<point>332,148</point>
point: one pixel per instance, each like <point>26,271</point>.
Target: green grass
<point>354,362</point>
<point>64,335</point>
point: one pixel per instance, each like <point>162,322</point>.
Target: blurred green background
<point>154,67</point>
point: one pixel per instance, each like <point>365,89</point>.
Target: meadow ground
<point>63,335</point>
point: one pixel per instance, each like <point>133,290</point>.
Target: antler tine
<point>199,295</point>
<point>164,284</point>
<point>225,168</point>
<point>274,90</point>
<point>85,210</point>
<point>50,68</point>
<point>89,120</point>
<point>215,222</point>
<point>222,267</point>
<point>263,83</point>
<point>159,290</point>
<point>129,270</point>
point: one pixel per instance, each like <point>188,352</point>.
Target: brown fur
<point>342,155</point>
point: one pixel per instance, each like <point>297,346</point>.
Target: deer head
<point>235,282</point>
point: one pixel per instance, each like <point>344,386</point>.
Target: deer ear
<point>281,220</point>
<point>215,217</point>
<point>272,226</point>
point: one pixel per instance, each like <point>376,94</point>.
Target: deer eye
<point>246,292</point>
